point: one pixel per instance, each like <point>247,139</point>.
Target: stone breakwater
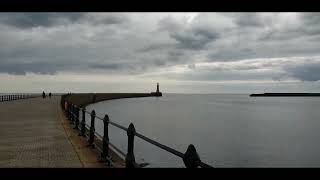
<point>84,99</point>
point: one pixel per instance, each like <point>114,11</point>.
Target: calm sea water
<point>227,130</point>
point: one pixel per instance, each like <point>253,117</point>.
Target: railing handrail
<point>164,147</point>
<point>17,96</point>
<point>141,136</point>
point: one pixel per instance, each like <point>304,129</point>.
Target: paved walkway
<point>32,135</point>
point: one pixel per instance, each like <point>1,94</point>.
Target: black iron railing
<point>190,158</point>
<point>12,97</point>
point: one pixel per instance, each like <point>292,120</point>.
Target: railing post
<point>92,129</point>
<point>191,158</point>
<point>130,159</point>
<point>105,145</point>
<point>71,114</point>
<point>77,117</point>
<point>69,111</point>
<point>83,122</point>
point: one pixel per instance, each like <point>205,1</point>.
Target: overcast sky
<point>184,52</point>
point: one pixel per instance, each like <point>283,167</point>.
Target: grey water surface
<point>228,130</point>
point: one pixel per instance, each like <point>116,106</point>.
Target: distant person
<point>43,95</point>
<point>50,94</point>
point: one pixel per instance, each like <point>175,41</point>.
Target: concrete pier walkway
<point>32,135</point>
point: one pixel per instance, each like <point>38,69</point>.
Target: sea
<point>227,130</point>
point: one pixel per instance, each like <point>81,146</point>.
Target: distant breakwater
<point>284,94</point>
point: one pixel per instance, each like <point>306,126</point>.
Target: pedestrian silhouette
<point>50,94</point>
<point>43,95</point>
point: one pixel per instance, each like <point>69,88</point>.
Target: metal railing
<point>12,97</point>
<point>190,158</point>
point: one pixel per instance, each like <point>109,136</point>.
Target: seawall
<point>84,99</point>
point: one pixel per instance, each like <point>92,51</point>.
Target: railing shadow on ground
<point>190,158</point>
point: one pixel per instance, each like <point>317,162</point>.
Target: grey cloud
<point>311,23</point>
<point>30,20</point>
<point>133,47</point>
<point>194,39</point>
<point>106,66</point>
<point>311,18</point>
<point>188,37</point>
<point>248,19</point>
<point>169,24</point>
<point>175,55</point>
<point>192,66</point>
<point>109,19</point>
<point>308,25</point>
<point>155,47</point>
<point>23,68</point>
<point>198,75</point>
<point>305,72</point>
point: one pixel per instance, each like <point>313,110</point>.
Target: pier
<point>48,132</point>
<point>32,134</point>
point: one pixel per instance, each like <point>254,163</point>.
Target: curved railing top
<point>190,158</point>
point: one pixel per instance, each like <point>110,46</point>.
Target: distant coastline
<point>284,94</point>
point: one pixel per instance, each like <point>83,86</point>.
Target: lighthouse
<point>157,87</point>
<point>157,93</point>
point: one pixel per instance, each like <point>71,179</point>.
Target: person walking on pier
<point>50,95</point>
<point>43,95</point>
